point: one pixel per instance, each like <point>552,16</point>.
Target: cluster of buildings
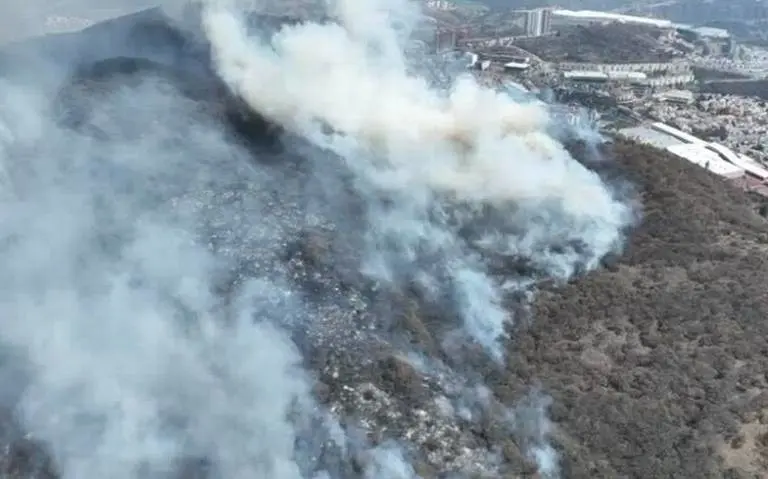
<point>537,22</point>
<point>719,159</point>
<point>513,25</point>
<point>518,24</point>
<point>656,95</point>
<point>655,67</point>
<point>739,121</point>
<point>544,21</point>
<point>645,75</point>
<point>604,76</point>
<point>751,62</point>
<point>443,5</point>
<point>60,23</point>
<point>633,78</point>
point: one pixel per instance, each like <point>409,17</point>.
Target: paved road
<point>635,7</point>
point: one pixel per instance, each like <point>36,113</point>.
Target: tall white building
<point>538,22</point>
<point>546,21</point>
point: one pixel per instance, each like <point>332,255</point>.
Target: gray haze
<point>115,242</point>
<point>26,19</point>
<point>106,292</point>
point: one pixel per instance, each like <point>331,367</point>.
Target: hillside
<point>191,291</point>
<point>599,43</point>
<point>656,364</point>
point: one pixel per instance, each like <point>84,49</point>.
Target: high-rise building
<point>538,22</point>
<point>546,21</point>
<point>531,23</point>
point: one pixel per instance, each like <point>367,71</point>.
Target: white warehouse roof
<point>585,75</point>
<point>679,134</point>
<point>613,17</point>
<point>739,160</point>
<point>646,134</point>
<point>620,75</point>
<point>700,155</point>
<point>718,158</point>
<point>517,65</point>
<point>680,95</point>
<point>710,32</point>
<point>753,166</point>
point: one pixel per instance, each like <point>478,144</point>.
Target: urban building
<point>628,77</point>
<point>708,159</point>
<point>537,22</point>
<point>666,67</point>
<point>546,21</point>
<point>683,97</point>
<point>441,5</point>
<point>631,77</point>
<point>516,66</point>
<point>533,23</point>
<point>586,76</point>
<point>713,156</point>
<point>670,80</point>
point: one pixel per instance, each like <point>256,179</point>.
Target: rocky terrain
<point>158,205</point>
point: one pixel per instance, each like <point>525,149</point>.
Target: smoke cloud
<point>347,89</point>
<point>107,294</point>
<point>443,159</point>
<point>145,347</point>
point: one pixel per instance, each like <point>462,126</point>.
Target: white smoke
<point>346,87</point>
<point>471,145</point>
<point>534,429</point>
<point>387,462</point>
<point>134,365</point>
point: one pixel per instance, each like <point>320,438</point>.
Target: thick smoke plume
<point>346,87</point>
<point>441,158</point>
<point>107,295</point>
<point>142,356</point>
<point>119,238</point>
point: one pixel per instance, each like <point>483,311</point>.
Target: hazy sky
<point>33,17</point>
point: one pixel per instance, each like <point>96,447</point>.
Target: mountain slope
<point>654,363</point>
<point>657,364</point>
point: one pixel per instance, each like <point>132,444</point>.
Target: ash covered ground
<point>233,249</point>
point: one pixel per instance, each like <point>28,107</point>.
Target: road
<point>644,8</point>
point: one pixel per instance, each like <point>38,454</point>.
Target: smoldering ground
<point>172,262</point>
